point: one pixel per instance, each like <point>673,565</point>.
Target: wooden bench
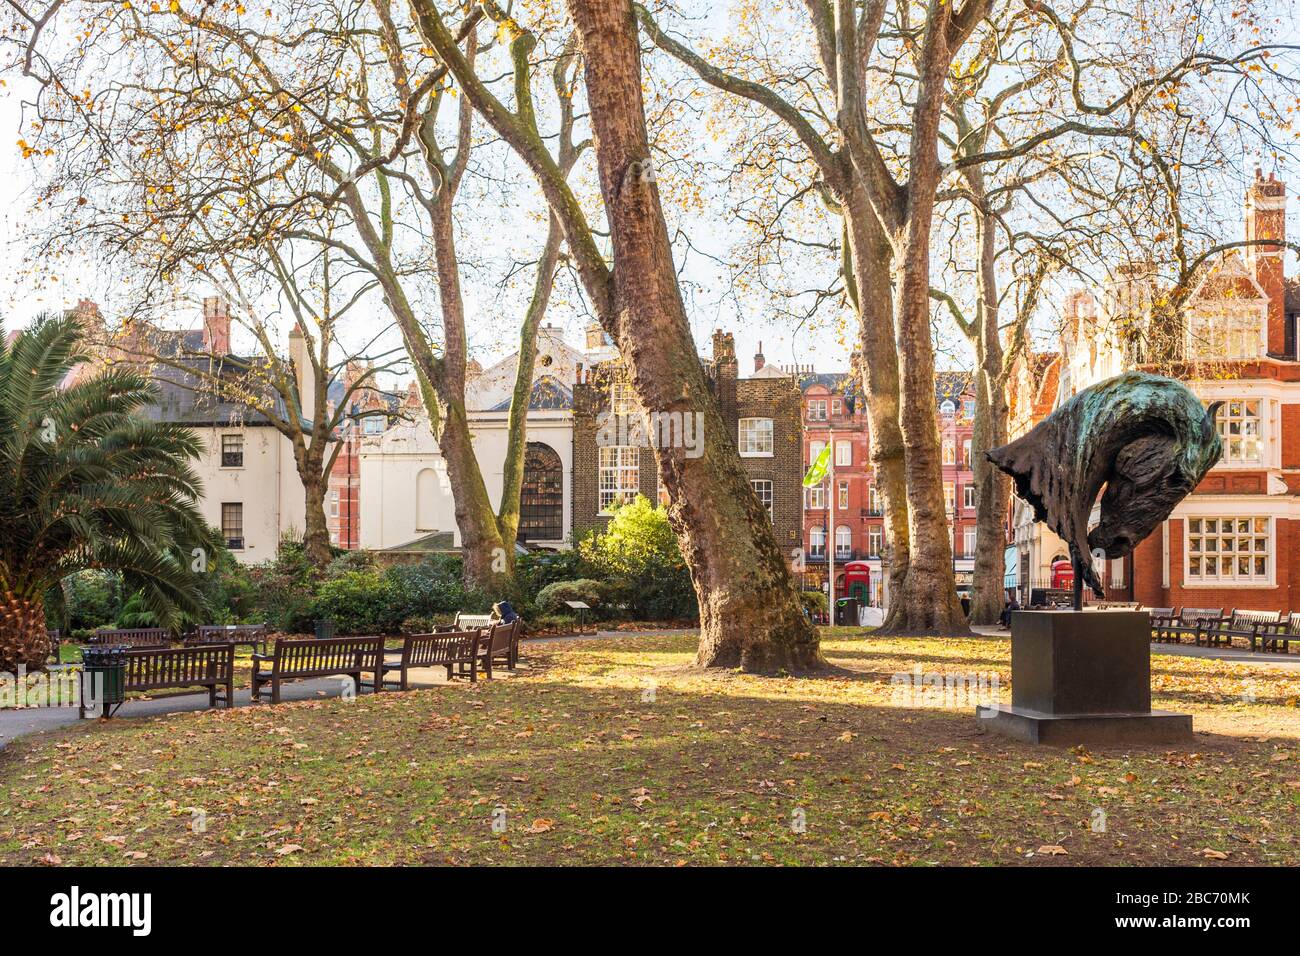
<point>1191,620</point>
<point>1046,598</point>
<point>469,622</point>
<point>296,660</point>
<point>501,641</point>
<point>212,667</point>
<point>135,637</point>
<point>1161,617</point>
<point>1242,623</point>
<point>450,649</point>
<point>252,635</point>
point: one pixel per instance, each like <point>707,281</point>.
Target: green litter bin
<point>324,630</point>
<point>103,677</point>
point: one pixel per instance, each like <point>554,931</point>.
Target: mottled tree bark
<point>750,615</point>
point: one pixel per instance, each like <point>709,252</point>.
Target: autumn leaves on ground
<point>615,751</point>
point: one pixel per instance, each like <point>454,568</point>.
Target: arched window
<point>817,541</point>
<point>427,493</point>
<point>843,541</point>
<point>541,500</point>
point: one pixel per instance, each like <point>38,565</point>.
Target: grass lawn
<point>615,752</point>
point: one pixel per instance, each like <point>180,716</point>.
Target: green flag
<point>817,471</point>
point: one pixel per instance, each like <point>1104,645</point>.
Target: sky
<point>492,332</point>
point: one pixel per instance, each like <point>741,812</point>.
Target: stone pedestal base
<point>1083,677</point>
<point>1092,730</point>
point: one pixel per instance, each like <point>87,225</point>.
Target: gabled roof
<point>548,394</point>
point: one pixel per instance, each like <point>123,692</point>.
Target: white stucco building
<point>405,497</point>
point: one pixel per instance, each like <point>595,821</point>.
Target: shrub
<point>640,559</point>
<point>550,600</point>
<point>360,602</point>
<point>135,614</point>
<point>91,599</point>
<point>431,587</point>
<point>350,561</point>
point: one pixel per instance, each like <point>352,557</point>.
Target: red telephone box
<point>1062,574</point>
<point>857,581</point>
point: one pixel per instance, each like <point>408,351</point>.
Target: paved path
<point>15,723</point>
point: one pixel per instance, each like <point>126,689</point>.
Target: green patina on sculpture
<point>1146,439</point>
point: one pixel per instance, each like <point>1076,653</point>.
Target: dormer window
<point>948,408</point>
<point>1221,336</point>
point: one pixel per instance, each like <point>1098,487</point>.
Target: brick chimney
<point>216,325</point>
<point>595,337</point>
<point>1266,219</point>
<point>724,347</point>
<point>759,360</point>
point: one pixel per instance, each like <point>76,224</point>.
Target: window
<point>874,537</point>
<point>334,504</point>
<point>873,501</point>
<point>1238,424</point>
<point>620,475</point>
<point>814,451</point>
<point>948,407</point>
<point>968,408</point>
<point>843,504</point>
<point>969,493</point>
<point>373,425</point>
<point>949,497</point>
<point>232,524</point>
<point>843,453</point>
<point>817,409</point>
<point>836,406</point>
<point>763,488</point>
<point>622,400</point>
<point>1220,336</point>
<point>968,543</point>
<point>1229,549</point>
<point>817,542</point>
<point>756,437</point>
<point>541,495</point>
<point>232,451</point>
<point>817,497</point>
<point>843,541</point>
<point>949,452</point>
<point>967,459</point>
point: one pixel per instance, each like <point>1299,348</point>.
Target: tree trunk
<point>488,558</point>
<point>867,278</point>
<point>316,535</point>
<point>993,487</point>
<point>23,641</point>
<point>928,601</point>
<point>750,614</point>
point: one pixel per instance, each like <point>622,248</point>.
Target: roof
<point>548,394</point>
<point>185,398</point>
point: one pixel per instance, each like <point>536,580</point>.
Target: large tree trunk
<point>23,641</point>
<point>750,615</point>
<point>928,602</point>
<point>867,278</point>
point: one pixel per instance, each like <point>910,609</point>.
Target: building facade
<point>762,415</point>
<point>405,495</point>
<point>1233,542</point>
<point>843,515</point>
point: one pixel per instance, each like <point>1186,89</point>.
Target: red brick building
<point>844,514</point>
<point>1235,541</point>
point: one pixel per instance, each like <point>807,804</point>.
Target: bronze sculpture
<point>1147,439</point>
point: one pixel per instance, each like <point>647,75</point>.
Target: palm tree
<point>86,483</point>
